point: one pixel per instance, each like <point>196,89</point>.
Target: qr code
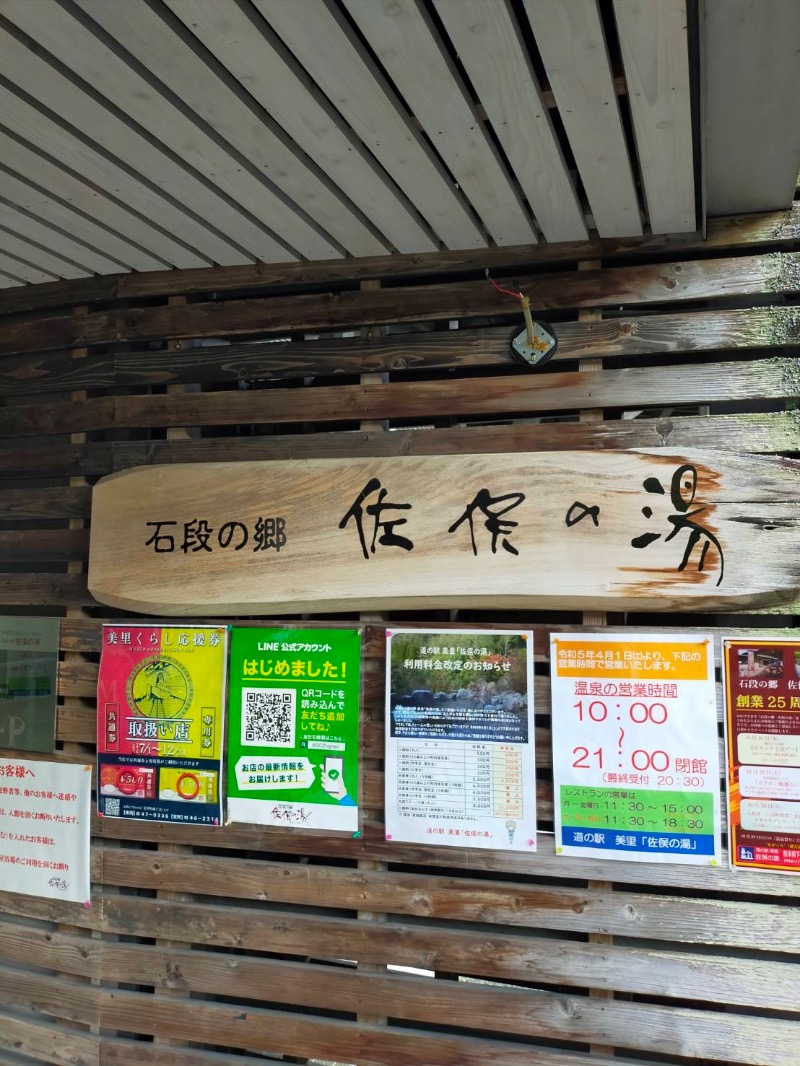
<point>268,716</point>
<point>111,808</point>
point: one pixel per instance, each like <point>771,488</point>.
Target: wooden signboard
<point>572,530</point>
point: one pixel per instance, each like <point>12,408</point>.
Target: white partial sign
<point>44,829</point>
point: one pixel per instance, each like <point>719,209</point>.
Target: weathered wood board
<point>638,530</point>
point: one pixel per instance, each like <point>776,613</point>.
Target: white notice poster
<point>44,829</point>
<point>460,761</point>
<point>635,747</point>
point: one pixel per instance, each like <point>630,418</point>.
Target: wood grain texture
<point>113,179</point>
<point>570,39</point>
<point>655,53</point>
<point>128,148</point>
<point>324,43</point>
<point>162,46</point>
<point>407,44</point>
<point>515,394</point>
<point>84,196</point>
<point>491,47</point>
<point>747,512</point>
<point>755,433</point>
<point>253,940</point>
<point>378,218</point>
<point>512,1011</point>
<point>627,286</point>
<point>759,328</point>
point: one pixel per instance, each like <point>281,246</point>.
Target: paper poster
<point>28,682</point>
<point>160,723</point>
<point>635,747</point>
<point>44,829</point>
<point>293,727</point>
<point>460,760</point>
<point>762,706</point>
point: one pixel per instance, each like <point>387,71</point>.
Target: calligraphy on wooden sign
<point>573,530</point>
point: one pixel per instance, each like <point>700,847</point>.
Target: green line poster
<point>293,727</point>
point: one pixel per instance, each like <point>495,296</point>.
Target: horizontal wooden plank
<point>76,722</point>
<point>758,327</point>
<point>769,232</point>
<point>682,920</point>
<point>65,1045</point>
<point>509,396</point>
<point>43,1042</point>
<point>510,1011</point>
<point>44,590</point>
<point>521,393</point>
<point>758,433</point>
<point>77,1002</point>
<point>77,679</point>
<point>517,1013</point>
<point>521,905</point>
<point>709,978</point>
<point>762,328</point>
<point>55,459</point>
<point>25,504</point>
<point>268,1030</point>
<point>51,545</point>
<point>617,286</point>
<point>372,845</point>
<point>132,1053</point>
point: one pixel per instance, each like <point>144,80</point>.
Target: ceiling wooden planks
<point>151,134</point>
<point>237,192</point>
<point>569,36</point>
<point>490,46</point>
<point>127,149</point>
<point>652,38</point>
<point>324,44</point>
<point>56,266</point>
<point>402,36</point>
<point>260,64</point>
<point>55,179</point>
<point>163,45</point>
<point>120,198</point>
<point>31,213</point>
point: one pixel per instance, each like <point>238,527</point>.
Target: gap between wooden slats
<point>71,748</point>
<point>372,764</point>
<point>630,286</point>
<point>594,619</point>
<point>762,329</point>
<point>183,850</point>
<point>574,51</point>
<point>515,1011</point>
<point>503,397</point>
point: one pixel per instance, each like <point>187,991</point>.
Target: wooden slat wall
<point>212,946</point>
